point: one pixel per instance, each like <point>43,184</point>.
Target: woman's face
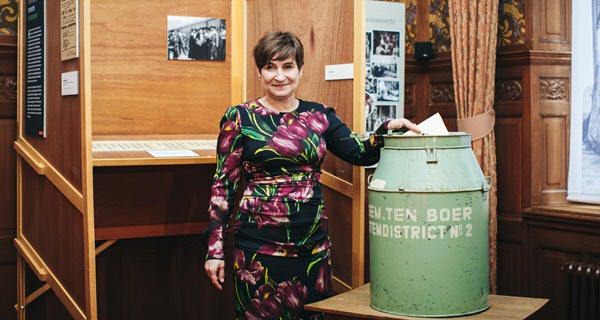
<point>280,78</point>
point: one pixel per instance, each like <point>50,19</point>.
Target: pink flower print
<point>261,110</point>
<point>228,133</point>
<point>323,283</point>
<point>275,208</point>
<point>317,122</point>
<point>250,204</point>
<point>252,274</point>
<point>239,260</point>
<point>292,127</point>
<point>265,305</point>
<point>293,295</point>
<point>231,165</point>
<point>215,243</point>
<point>218,205</point>
<point>321,149</point>
<point>286,146</point>
<point>297,193</point>
<point>278,250</point>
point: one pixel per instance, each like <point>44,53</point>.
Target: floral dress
<point>281,257</point>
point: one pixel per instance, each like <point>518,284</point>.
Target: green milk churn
<point>428,227</point>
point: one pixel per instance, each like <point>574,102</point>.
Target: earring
<point>259,78</point>
<point>300,76</point>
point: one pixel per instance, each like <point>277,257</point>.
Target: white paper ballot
<point>173,153</point>
<point>433,125</point>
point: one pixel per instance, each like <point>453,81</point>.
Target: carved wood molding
<point>442,93</point>
<point>8,87</point>
<point>554,89</point>
<point>508,90</point>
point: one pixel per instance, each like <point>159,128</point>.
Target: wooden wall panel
<point>510,261</point>
<point>8,131</point>
<point>161,278</point>
<point>339,212</point>
<point>45,307</point>
<point>148,195</point>
<point>8,282</point>
<point>62,249</point>
<point>551,24</point>
<point>62,145</point>
<point>326,31</point>
<point>509,171</point>
<point>550,243</point>
<point>136,89</point>
<point>550,110</point>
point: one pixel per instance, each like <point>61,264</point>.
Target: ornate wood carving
<point>554,89</point>
<point>508,90</point>
<point>442,93</point>
<point>8,88</point>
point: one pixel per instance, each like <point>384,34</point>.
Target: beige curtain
<point>473,28</point>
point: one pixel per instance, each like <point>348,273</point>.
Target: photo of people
<point>371,85</point>
<point>193,38</point>
<point>388,90</point>
<point>378,115</point>
<point>389,70</point>
<point>386,43</point>
<point>369,46</point>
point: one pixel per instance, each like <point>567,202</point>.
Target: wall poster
<point>384,96</point>
<point>584,161</point>
<point>35,68</point>
<point>196,38</point>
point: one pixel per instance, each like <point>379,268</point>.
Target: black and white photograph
<point>369,46</point>
<point>584,162</point>
<point>371,86</point>
<point>386,43</point>
<point>384,70</point>
<point>388,90</point>
<point>369,105</point>
<point>196,38</point>
<point>380,114</point>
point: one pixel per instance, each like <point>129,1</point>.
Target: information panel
<point>35,69</point>
<point>384,97</point>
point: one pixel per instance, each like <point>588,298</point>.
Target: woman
<point>281,257</point>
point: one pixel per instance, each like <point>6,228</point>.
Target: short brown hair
<point>280,44</point>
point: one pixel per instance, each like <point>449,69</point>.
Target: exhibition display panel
<point>122,146</point>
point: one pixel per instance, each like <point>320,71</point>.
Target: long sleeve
<point>225,181</point>
<point>341,141</point>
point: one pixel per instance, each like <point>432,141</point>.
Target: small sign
<point>173,154</point>
<point>69,30</point>
<point>339,71</point>
<point>70,83</point>
<point>35,69</point>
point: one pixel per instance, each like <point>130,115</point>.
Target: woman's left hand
<point>399,123</point>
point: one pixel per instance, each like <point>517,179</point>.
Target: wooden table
<point>354,304</point>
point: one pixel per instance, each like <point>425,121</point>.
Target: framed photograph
<point>196,38</point>
<point>384,70</point>
<point>379,114</point>
<point>388,90</point>
<point>584,162</point>
<point>386,43</point>
<point>371,86</point>
<point>369,46</point>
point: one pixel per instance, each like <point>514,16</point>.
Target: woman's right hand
<point>215,269</point>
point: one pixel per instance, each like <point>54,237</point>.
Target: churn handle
<point>369,178</point>
<point>488,181</point>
